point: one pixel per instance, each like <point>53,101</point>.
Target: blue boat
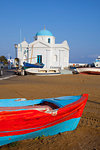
<point>23,119</point>
<point>28,65</point>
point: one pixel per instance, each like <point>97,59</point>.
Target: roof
<point>44,33</point>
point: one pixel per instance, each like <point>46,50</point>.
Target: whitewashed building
<point>44,50</point>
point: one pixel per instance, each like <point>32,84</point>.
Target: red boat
<point>89,70</point>
<point>23,119</point>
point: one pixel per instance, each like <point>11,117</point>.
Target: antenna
<point>44,27</point>
<point>20,35</point>
<point>20,40</point>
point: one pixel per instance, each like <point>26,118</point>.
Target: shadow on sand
<point>93,102</point>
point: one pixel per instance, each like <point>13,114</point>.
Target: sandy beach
<point>87,134</point>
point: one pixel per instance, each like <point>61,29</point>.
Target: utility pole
<point>16,45</point>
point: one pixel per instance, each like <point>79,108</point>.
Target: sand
<point>87,134</point>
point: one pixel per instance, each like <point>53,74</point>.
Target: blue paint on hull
<point>28,65</point>
<point>68,125</point>
<point>65,100</point>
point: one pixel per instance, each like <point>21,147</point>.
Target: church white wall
<point>55,58</point>
<point>46,56</point>
<point>60,58</point>
<point>22,52</point>
<point>45,39</point>
<point>22,55</point>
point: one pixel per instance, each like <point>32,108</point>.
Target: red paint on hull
<point>27,121</point>
<point>90,72</point>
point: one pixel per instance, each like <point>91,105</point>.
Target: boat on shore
<point>23,119</point>
<point>42,71</point>
<point>29,65</point>
<point>88,70</point>
<point>37,71</point>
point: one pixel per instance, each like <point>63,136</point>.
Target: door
<point>39,59</point>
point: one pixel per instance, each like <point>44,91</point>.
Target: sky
<point>77,21</point>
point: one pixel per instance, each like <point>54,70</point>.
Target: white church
<point>44,50</point>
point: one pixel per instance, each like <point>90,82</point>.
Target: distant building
<point>44,50</point>
<point>10,63</point>
<point>97,62</point>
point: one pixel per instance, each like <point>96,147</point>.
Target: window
<point>48,40</point>
<point>55,58</point>
<point>39,59</point>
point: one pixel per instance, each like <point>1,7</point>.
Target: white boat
<point>97,62</point>
<point>89,70</point>
<point>42,71</point>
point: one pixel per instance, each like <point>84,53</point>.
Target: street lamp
<point>16,46</point>
<point>27,53</point>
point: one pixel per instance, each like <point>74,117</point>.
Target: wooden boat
<point>89,70</point>
<point>42,71</point>
<point>28,65</point>
<point>23,119</point>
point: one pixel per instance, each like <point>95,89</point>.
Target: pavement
<point>7,74</point>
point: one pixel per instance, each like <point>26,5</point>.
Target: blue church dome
<point>44,33</point>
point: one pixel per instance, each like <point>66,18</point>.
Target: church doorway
<point>39,59</point>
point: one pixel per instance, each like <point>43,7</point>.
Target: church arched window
<point>48,40</point>
<point>55,58</point>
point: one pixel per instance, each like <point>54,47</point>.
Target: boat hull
<point>28,65</point>
<point>24,121</point>
<point>41,71</point>
<point>68,125</point>
<point>92,71</point>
